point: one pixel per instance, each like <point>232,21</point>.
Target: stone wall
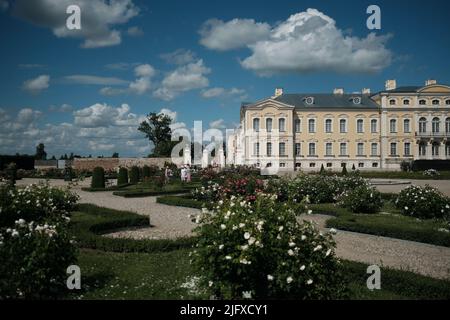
<point>113,164</point>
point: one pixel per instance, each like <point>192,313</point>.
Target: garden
<point>249,243</point>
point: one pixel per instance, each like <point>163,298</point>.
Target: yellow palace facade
<point>362,130</point>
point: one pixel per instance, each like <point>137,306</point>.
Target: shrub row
<point>146,193</point>
<point>180,201</point>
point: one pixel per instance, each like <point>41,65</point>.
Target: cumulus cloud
<point>141,85</point>
<point>182,79</point>
<point>135,32</point>
<point>103,115</point>
<point>38,84</point>
<point>219,35</point>
<point>94,80</point>
<point>217,124</point>
<point>218,92</point>
<point>307,42</point>
<point>179,57</point>
<point>99,18</point>
<point>144,70</point>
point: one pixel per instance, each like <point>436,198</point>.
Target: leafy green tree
<point>40,152</point>
<point>115,155</point>
<point>157,129</point>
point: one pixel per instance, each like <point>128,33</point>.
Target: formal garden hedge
<point>180,201</point>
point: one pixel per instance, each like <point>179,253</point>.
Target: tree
<point>157,129</point>
<point>40,152</point>
<point>115,155</point>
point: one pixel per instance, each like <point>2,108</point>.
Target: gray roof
<point>327,100</point>
<point>404,89</point>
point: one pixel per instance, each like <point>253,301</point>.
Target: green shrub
<point>423,202</point>
<point>362,199</point>
<point>180,201</point>
<point>134,175</point>
<point>98,178</point>
<point>145,172</point>
<point>344,170</point>
<point>260,250</point>
<point>122,177</point>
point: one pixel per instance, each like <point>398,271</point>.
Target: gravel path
<point>172,222</point>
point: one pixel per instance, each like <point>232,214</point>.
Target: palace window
<point>269,124</point>
<point>312,125</point>
<point>392,102</point>
<point>407,148</point>
<point>406,125</point>
<point>435,149</point>
<point>406,102</point>
<point>312,149</point>
<point>343,149</point>
<point>361,165</point>
<point>435,125</point>
<point>298,124</point>
<point>393,126</point>
<point>298,149</point>
<point>422,149</point>
<point>256,124</point>
<point>393,149</point>
<point>282,165</point>
<point>328,149</point>
<point>374,149</point>
<point>282,149</point>
<point>447,149</point>
<point>373,125</point>
<point>422,102</point>
<point>269,149</point>
<point>422,125</point>
<point>282,124</point>
<point>447,125</point>
<point>435,102</point>
<point>374,164</point>
<point>447,102</point>
<point>256,149</point>
<point>329,164</point>
<point>328,125</point>
<point>360,149</point>
<point>360,125</point>
<point>312,165</point>
<point>343,125</point>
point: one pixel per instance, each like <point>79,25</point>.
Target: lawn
<point>160,269</point>
<point>145,189</point>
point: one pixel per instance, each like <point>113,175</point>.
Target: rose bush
<point>260,250</point>
<point>423,202</point>
<point>362,199</point>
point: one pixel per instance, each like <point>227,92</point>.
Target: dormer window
<point>406,102</point>
<point>309,100</point>
<point>422,102</point>
<point>447,102</point>
<point>392,102</point>
<point>435,102</point>
<point>356,100</point>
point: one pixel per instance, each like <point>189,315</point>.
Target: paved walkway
<point>442,185</point>
<point>173,222</point>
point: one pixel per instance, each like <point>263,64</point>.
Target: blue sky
<point>85,91</point>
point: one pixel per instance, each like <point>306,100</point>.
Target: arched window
<point>393,125</point>
<point>447,102</point>
<point>312,125</point>
<point>392,102</point>
<point>422,149</point>
<point>343,125</point>
<point>422,102</point>
<point>256,124</point>
<point>406,125</point>
<point>435,102</point>
<point>447,125</point>
<point>328,126</point>
<point>435,149</point>
<point>406,102</point>
<point>269,124</point>
<point>373,125</point>
<point>422,125</point>
<point>435,125</point>
<point>360,125</point>
<point>282,124</point>
<point>298,125</point>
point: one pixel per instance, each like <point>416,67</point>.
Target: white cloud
<point>223,93</point>
<point>27,116</point>
<point>237,33</point>
<point>182,79</point>
<point>170,113</point>
<point>140,85</point>
<point>306,42</point>
<point>144,70</point>
<point>102,115</point>
<point>179,57</point>
<point>135,32</point>
<point>99,18</point>
<point>97,146</point>
<point>94,80</point>
<point>217,124</point>
<point>38,84</point>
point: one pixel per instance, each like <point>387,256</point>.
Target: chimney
<point>390,85</point>
<point>338,91</point>
<point>278,92</point>
<point>430,82</point>
<point>365,91</point>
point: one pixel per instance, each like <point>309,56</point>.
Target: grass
<point>180,201</point>
<point>161,275</point>
<point>147,189</point>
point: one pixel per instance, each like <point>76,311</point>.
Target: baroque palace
<point>364,130</point>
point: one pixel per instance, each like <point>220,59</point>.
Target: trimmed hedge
<point>180,201</point>
<point>122,178</point>
<point>146,193</point>
<point>112,188</point>
<point>90,221</point>
<point>98,178</point>
<point>134,175</point>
